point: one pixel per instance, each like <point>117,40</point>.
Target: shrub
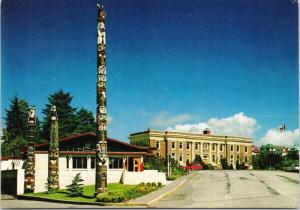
<point>224,163</point>
<point>148,184</point>
<point>142,184</point>
<point>159,184</point>
<point>113,196</point>
<point>75,189</point>
<point>153,184</point>
<point>230,167</point>
<point>171,177</point>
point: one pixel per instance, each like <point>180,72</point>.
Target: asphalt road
<point>236,189</point>
<point>50,205</point>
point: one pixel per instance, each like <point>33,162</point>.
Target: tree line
<point>71,121</point>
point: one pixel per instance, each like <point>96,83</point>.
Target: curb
<point>26,197</point>
<point>170,191</point>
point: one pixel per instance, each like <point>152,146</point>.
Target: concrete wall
<point>8,164</point>
<point>20,181</point>
<point>66,175</point>
<point>144,176</point>
<point>41,172</point>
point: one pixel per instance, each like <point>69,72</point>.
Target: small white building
<point>126,163</point>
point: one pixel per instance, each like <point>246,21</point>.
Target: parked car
<point>195,167</point>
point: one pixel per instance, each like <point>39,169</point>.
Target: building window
<point>246,159</point>
<point>93,162</point>
<point>180,156</point>
<point>238,157</point>
<point>67,158</point>
<point>213,158</point>
<point>221,157</point>
<point>231,157</point>
<point>221,147</point>
<point>115,163</point>
<point>187,145</point>
<point>213,147</point>
<point>205,145</point>
<point>79,162</point>
<point>180,145</point>
<point>173,155</point>
<point>196,146</point>
<point>246,149</point>
<point>237,148</point>
<point>231,148</point>
<point>173,145</point>
<point>157,145</point>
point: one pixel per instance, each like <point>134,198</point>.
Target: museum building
<point>183,147</point>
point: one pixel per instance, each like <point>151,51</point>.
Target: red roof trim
<point>93,153</point>
<point>11,158</point>
<point>93,134</point>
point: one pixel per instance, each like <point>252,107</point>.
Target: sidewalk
<point>159,194</point>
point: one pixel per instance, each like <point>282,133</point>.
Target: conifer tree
<point>75,189</point>
<point>65,111</point>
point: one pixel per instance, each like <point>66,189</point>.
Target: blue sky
<point>168,62</point>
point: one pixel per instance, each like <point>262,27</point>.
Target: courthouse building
<point>184,147</point>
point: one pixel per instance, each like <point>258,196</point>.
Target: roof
<point>188,135</point>
<point>70,138</point>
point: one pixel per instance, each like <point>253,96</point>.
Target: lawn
<point>116,192</point>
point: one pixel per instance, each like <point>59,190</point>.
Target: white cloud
<point>162,119</point>
<point>109,119</point>
<point>236,125</point>
<point>286,138</point>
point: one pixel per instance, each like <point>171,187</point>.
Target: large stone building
<point>184,147</point>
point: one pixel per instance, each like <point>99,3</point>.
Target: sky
<point>229,65</point>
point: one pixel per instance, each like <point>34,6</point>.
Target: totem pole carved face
<point>53,113</point>
<point>31,115</point>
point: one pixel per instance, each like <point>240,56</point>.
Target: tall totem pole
<point>101,148</point>
<point>30,160</point>
<point>53,183</point>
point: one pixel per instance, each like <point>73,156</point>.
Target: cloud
<point>236,125</point>
<point>162,119</point>
<point>286,138</point>
<point>109,119</point>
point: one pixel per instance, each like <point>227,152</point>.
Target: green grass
<point>176,173</point>
<point>129,192</point>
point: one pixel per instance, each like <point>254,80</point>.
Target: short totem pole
<point>53,182</point>
<point>30,160</point>
<point>101,148</point>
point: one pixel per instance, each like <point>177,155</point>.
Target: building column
<point>218,154</point>
<point>210,152</point>
<point>192,151</point>
<point>201,150</point>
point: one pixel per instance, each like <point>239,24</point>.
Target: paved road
<point>236,189</point>
<point>50,205</point>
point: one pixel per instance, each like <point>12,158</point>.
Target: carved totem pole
<point>101,148</point>
<point>30,160</point>
<point>53,183</point>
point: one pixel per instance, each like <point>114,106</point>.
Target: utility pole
<point>101,150</point>
<point>30,160</point>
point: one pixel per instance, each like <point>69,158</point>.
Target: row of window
<point>205,146</point>
<point>213,157</point>
<point>82,163</point>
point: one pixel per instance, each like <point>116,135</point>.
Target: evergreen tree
<point>16,118</point>
<point>65,112</point>
<point>85,121</point>
<point>75,189</point>
<point>15,135</point>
